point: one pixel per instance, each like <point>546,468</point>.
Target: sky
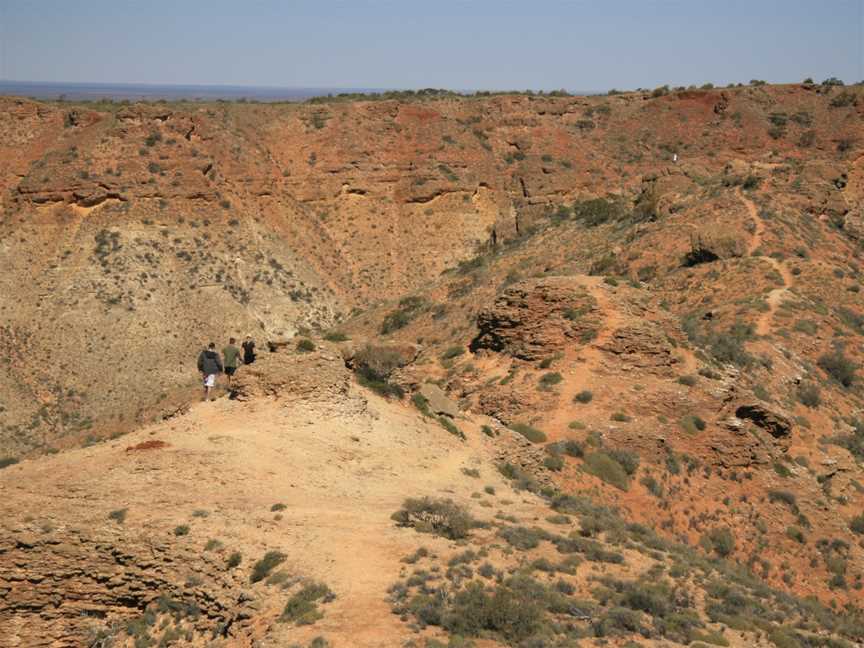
<point>484,44</point>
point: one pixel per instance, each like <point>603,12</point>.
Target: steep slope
<point>680,340</point>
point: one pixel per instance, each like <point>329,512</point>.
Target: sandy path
<point>584,362</point>
<point>340,472</point>
<point>775,296</point>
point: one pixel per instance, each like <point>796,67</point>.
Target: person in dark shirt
<point>209,364</point>
<point>248,350</point>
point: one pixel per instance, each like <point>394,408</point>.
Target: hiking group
<point>211,364</point>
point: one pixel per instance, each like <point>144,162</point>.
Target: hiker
<point>248,350</point>
<point>209,365</point>
<point>230,358</point>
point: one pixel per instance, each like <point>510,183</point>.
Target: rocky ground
<point>638,382</point>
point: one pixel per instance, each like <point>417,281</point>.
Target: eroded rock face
<point>60,589</point>
<point>538,317</point>
<point>319,376</point>
<point>643,346</point>
<point>777,425</point>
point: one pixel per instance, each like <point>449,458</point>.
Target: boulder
<point>535,318</point>
<point>777,425</point>
<point>380,359</point>
<point>438,401</point>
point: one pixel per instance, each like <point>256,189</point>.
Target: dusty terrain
<point>524,288</point>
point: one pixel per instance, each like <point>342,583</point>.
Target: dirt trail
<point>585,361</point>
<point>775,296</point>
<point>340,471</point>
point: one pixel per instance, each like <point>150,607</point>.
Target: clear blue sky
<point>485,44</point>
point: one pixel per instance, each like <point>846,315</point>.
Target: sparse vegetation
<point>267,564</point>
<point>529,432</point>
<point>436,516</point>
<point>302,607</point>
<point>583,397</point>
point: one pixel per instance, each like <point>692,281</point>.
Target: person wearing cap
<point>248,350</point>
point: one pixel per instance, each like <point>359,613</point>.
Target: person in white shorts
<point>210,365</point>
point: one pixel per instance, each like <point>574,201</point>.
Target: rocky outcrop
<point>536,318</point>
<point>777,425</point>
<point>642,346</point>
<point>67,589</point>
<point>438,401</point>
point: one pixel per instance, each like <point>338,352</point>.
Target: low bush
<point>839,367</point>
<point>436,516</point>
<point>529,432</point>
<point>688,380</point>
<point>452,352</point>
<point>267,564</point>
<point>234,560</point>
<point>181,530</point>
<point>583,397</point>
<point>451,427</point>
<point>720,540</point>
<point>119,516</point>
<point>692,424</point>
<point>784,497</point>
<point>335,336</point>
<point>305,345</point>
<point>601,465</point>
<point>409,308</point>
<point>809,395</point>
<point>856,524</point>
<point>549,379</point>
<point>302,607</point>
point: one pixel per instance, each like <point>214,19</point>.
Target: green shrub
<point>268,563</point>
<point>688,380</point>
<point>621,417</point>
<point>335,336</point>
<point>692,424</point>
<point>373,366</point>
<point>451,427</point>
<point>839,367</point>
<point>421,403</point>
<point>603,466</point>
<point>436,516</point>
<point>784,497</point>
<point>234,560</point>
<point>5,462</point>
<point>653,486</point>
<point>213,545</point>
<point>181,530</point>
<point>796,534</point>
<point>305,345</point>
<point>549,379</point>
<point>809,394</point>
<point>856,524</point>
<point>782,470</point>
<point>553,462</point>
<point>583,397</point>
<point>119,516</point>
<point>629,461</point>
<point>721,540</point>
<point>529,432</point>
<point>409,308</point>
<point>452,352</point>
<point>302,607</point>
<point>596,211</point>
<point>513,611</point>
